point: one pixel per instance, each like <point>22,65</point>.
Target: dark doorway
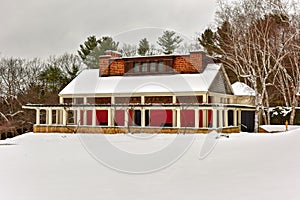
<point>247,121</point>
<point>147,118</point>
<point>230,117</point>
<point>137,118</point>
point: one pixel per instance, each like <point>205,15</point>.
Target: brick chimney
<point>104,64</point>
<point>196,59</point>
<point>113,54</point>
<point>105,60</point>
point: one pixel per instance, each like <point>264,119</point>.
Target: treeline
<point>33,81</point>
<point>258,41</point>
<point>168,43</point>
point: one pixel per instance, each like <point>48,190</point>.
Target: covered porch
<point>194,117</point>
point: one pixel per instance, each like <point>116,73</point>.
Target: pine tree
<point>144,47</point>
<point>93,48</point>
<point>207,40</point>
<point>169,41</point>
<point>107,43</point>
<point>89,45</point>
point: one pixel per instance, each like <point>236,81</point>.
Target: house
<point>156,94</point>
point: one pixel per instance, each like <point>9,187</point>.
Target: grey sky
<point>39,28</point>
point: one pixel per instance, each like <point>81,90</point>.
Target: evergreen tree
<point>93,48</point>
<point>169,41</point>
<point>207,40</point>
<point>144,47</point>
<point>89,45</point>
<point>107,43</point>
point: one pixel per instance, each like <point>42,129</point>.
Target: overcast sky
<point>39,28</point>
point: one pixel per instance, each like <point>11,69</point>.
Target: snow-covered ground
<point>61,166</point>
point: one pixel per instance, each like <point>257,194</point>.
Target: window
<point>152,67</point>
<point>161,67</point>
<point>136,67</point>
<point>144,67</point>
<point>67,100</point>
<point>78,100</point>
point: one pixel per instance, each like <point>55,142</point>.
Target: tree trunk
<point>256,119</point>
<point>268,107</point>
<point>258,101</point>
<point>294,105</point>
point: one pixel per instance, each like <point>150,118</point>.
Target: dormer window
<point>149,67</point>
<point>161,67</point>
<point>152,67</point>
<point>144,67</point>
<point>136,67</point>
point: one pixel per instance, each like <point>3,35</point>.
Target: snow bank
<point>278,128</point>
<point>244,166</point>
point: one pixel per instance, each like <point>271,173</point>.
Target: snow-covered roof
<point>241,89</point>
<point>89,82</point>
<point>278,128</point>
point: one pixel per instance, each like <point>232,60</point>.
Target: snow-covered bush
<point>280,114</point>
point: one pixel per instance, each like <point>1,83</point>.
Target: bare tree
<point>251,42</point>
<point>16,77</point>
<point>287,78</point>
<point>128,50</point>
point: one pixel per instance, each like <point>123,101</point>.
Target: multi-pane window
<point>144,67</point>
<point>150,67</point>
<point>161,67</point>
<point>136,67</point>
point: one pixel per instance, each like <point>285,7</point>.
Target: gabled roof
<point>88,82</point>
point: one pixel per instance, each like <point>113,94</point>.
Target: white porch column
<point>220,118</point>
<point>204,118</point>
<point>47,116</point>
<point>225,117</point>
<point>56,116</point>
<point>143,117</point>
<point>84,112</point>
<point>196,118</point>
<point>126,113</point>
<point>109,117</point>
<point>65,116</point>
<point>84,117</point>
<point>142,100</point>
<point>235,122</point>
<point>178,118</point>
<point>239,118</point>
<point>50,116</point>
<point>112,100</point>
<point>174,99</point>
<point>94,117</point>
<point>215,118</point>
<point>204,98</point>
<point>113,113</point>
<point>78,117</point>
<point>38,117</point>
<point>174,119</point>
<point>61,100</point>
